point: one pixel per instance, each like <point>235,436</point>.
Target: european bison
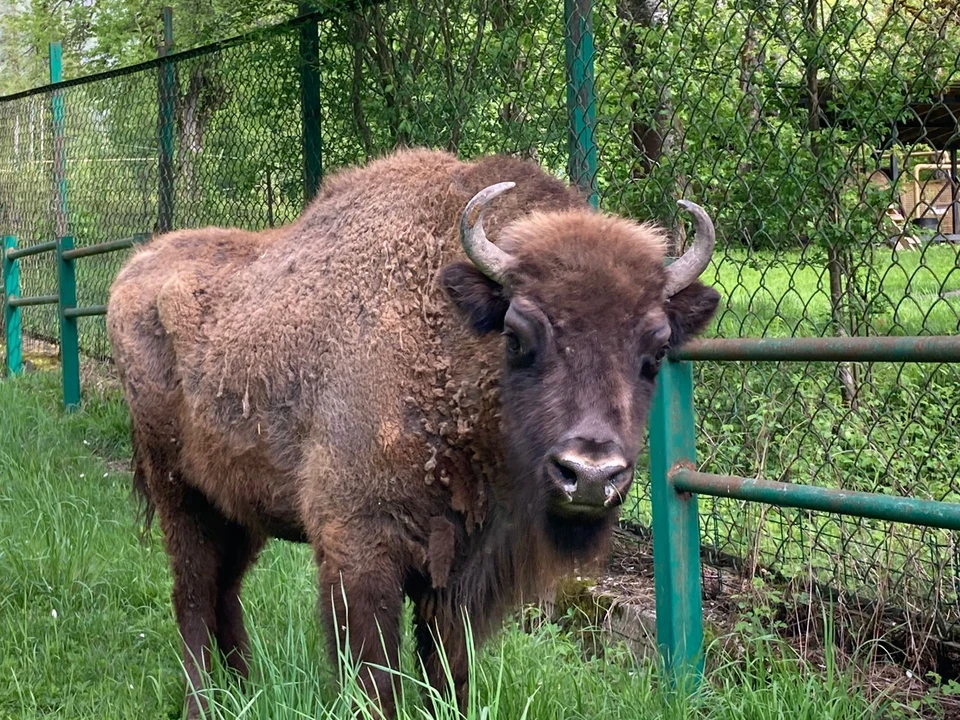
<point>438,415</point>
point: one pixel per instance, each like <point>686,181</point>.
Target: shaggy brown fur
<point>343,381</point>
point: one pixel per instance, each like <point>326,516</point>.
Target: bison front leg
<point>361,601</point>
<point>442,647</point>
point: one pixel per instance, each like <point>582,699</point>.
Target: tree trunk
<point>651,141</point>
<point>835,261</point>
<point>512,112</point>
<point>357,38</point>
<point>205,94</point>
<point>381,59</point>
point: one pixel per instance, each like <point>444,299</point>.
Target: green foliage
<point>112,33</point>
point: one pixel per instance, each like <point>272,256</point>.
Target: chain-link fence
<point>821,136</point>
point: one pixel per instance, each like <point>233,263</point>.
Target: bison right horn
<point>489,259</point>
<point>688,268</point>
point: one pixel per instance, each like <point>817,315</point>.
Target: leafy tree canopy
<point>101,34</point>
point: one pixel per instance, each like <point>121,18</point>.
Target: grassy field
<point>86,628</point>
<point>787,293</point>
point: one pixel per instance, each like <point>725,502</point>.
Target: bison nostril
<point>618,489</point>
<point>567,474</point>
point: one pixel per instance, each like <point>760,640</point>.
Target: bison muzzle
<point>438,376</point>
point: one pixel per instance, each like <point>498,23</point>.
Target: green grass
<point>86,628</point>
<point>787,293</point>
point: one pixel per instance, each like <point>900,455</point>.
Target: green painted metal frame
<point>166,122</point>
<point>924,348</point>
<point>35,301</point>
<point>581,96</point>
<point>12,302</point>
<point>66,274</point>
<point>104,247</point>
<point>11,313</point>
<point>86,311</point>
<point>69,335</point>
<point>892,508</point>
<point>676,532</point>
<point>17,253</point>
<point>59,141</point>
<point>675,482</point>
<point>66,299</point>
<point>310,106</point>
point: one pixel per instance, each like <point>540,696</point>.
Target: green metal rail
<point>675,484</point>
<point>166,104</point>
<point>310,106</point>
<point>105,247</point>
<point>66,298</point>
<point>581,96</point>
<point>825,349</point>
<point>12,300</point>
<point>19,302</point>
<point>892,508</point>
<point>12,321</point>
<point>89,311</point>
<point>15,253</point>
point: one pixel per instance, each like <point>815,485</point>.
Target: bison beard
<point>440,415</point>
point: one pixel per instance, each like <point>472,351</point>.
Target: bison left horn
<point>489,259</point>
<point>694,261</point>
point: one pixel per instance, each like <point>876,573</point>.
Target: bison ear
<point>482,302</point>
<point>690,311</point>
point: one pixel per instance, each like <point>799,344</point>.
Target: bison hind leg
<point>240,550</point>
<point>208,555</point>
<point>140,491</point>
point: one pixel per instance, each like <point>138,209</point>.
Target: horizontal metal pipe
<point>913,511</point>
<point>827,349</point>
<point>99,248</point>
<point>16,253</point>
<point>333,11</point>
<point>85,311</point>
<point>37,300</point>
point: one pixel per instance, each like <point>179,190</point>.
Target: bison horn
<point>688,268</point>
<point>489,259</point>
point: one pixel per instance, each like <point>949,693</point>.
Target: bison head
<point>587,310</point>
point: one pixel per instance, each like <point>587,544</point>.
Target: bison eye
<point>519,353</point>
<point>651,363</point>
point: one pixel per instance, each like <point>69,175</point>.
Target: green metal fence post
<point>581,96</point>
<point>676,530</point>
<point>11,314</point>
<point>166,119</point>
<point>69,341</point>
<point>59,151</point>
<point>310,106</point>
<point>69,337</point>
